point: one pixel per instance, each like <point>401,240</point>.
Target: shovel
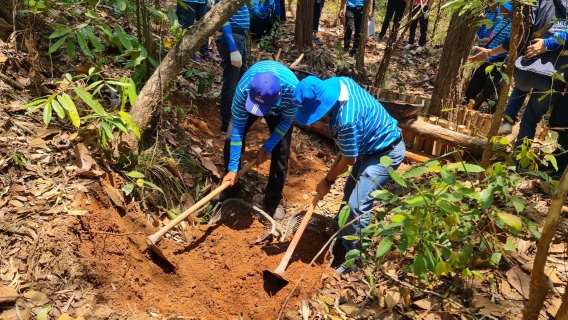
<point>153,239</point>
<point>280,271</point>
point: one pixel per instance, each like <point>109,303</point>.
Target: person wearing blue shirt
<point>492,17</point>
<point>489,81</point>
<point>188,12</point>
<point>264,14</point>
<point>364,132</point>
<point>231,43</point>
<point>265,90</point>
<point>352,10</point>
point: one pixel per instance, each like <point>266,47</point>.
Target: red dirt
<point>218,276</point>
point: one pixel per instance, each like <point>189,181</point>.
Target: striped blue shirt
<point>501,32</point>
<point>194,1</point>
<point>240,20</point>
<point>359,124</point>
<point>484,31</point>
<point>285,106</point>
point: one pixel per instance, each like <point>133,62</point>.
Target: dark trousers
<point>318,7</point>
<point>353,18</point>
<point>481,80</point>
<point>559,119</point>
<point>394,8</point>
<point>278,161</point>
<point>231,74</point>
<point>282,10</point>
<point>423,27</point>
<point>187,17</point>
<point>261,27</point>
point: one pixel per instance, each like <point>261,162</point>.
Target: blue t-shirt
<point>359,124</point>
<point>501,32</point>
<point>285,106</point>
<point>262,8</point>
<point>358,3</point>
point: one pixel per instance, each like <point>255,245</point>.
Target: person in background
<point>352,10</point>
<point>559,119</point>
<point>489,81</point>
<point>264,15</point>
<point>420,7</point>
<point>534,69</point>
<point>265,91</point>
<point>364,132</point>
<point>394,8</point>
<point>492,17</point>
<point>189,11</point>
<point>318,7</point>
<point>231,43</point>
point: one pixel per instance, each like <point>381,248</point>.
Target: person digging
<point>364,132</point>
<point>265,90</point>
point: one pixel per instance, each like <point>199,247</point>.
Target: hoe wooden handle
<point>153,239</point>
<point>284,263</point>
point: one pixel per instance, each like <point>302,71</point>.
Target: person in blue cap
<point>363,131</point>
<point>265,90</point>
<point>231,43</point>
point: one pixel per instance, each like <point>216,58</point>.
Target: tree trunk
<point>457,47</point>
<point>539,284</point>
<point>151,94</point>
<point>304,24</point>
<point>516,36</point>
<point>360,62</point>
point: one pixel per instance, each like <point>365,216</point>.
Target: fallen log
<point>446,136</point>
<point>152,93</point>
<point>323,130</point>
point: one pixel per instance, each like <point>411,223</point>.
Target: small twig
<point>117,234</point>
<point>297,62</point>
<point>12,82</point>
<point>278,54</point>
<point>414,288</point>
<point>259,57</point>
<point>314,259</point>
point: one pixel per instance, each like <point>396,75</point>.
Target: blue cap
<point>508,6</point>
<point>264,90</point>
<point>315,98</point>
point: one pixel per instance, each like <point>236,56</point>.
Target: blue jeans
<point>367,175</point>
<point>514,105</point>
<point>231,74</point>
<point>540,84</point>
<point>187,17</point>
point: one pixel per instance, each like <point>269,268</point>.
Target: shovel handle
<point>153,239</point>
<point>286,259</point>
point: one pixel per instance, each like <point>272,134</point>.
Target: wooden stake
<point>441,147</point>
<point>278,54</point>
<point>297,62</point>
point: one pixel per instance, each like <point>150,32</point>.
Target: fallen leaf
<point>197,150</point>
<point>554,306</point>
<point>65,316</point>
<point>169,137</point>
<point>3,58</point>
<point>38,143</point>
<point>354,310</point>
<point>188,179</point>
<point>16,203</point>
<point>77,212</point>
<point>39,297</point>
<point>306,311</point>
<point>392,298</point>
<point>519,280</point>
<point>114,194</point>
<point>488,307</point>
<point>425,304</point>
<point>551,273</point>
<point>207,163</point>
<point>8,294</point>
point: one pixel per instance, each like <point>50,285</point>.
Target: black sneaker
<point>343,269</point>
<point>276,212</point>
<point>224,129</point>
<point>229,193</point>
<point>209,57</point>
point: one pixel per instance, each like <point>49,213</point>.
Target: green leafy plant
<point>448,220</point>
<point>33,6</point>
<point>74,89</point>
<point>205,80</point>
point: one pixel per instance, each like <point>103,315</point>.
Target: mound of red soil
<point>218,276</point>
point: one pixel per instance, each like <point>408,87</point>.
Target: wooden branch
<point>12,82</point>
<point>278,54</point>
<point>445,136</point>
<point>538,285</point>
<point>297,62</point>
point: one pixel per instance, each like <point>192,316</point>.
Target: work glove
<point>426,14</point>
<point>236,59</point>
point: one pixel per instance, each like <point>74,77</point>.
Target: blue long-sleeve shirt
<point>262,8</point>
<point>358,3</point>
<point>555,41</point>
<point>285,106</point>
<point>240,20</point>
